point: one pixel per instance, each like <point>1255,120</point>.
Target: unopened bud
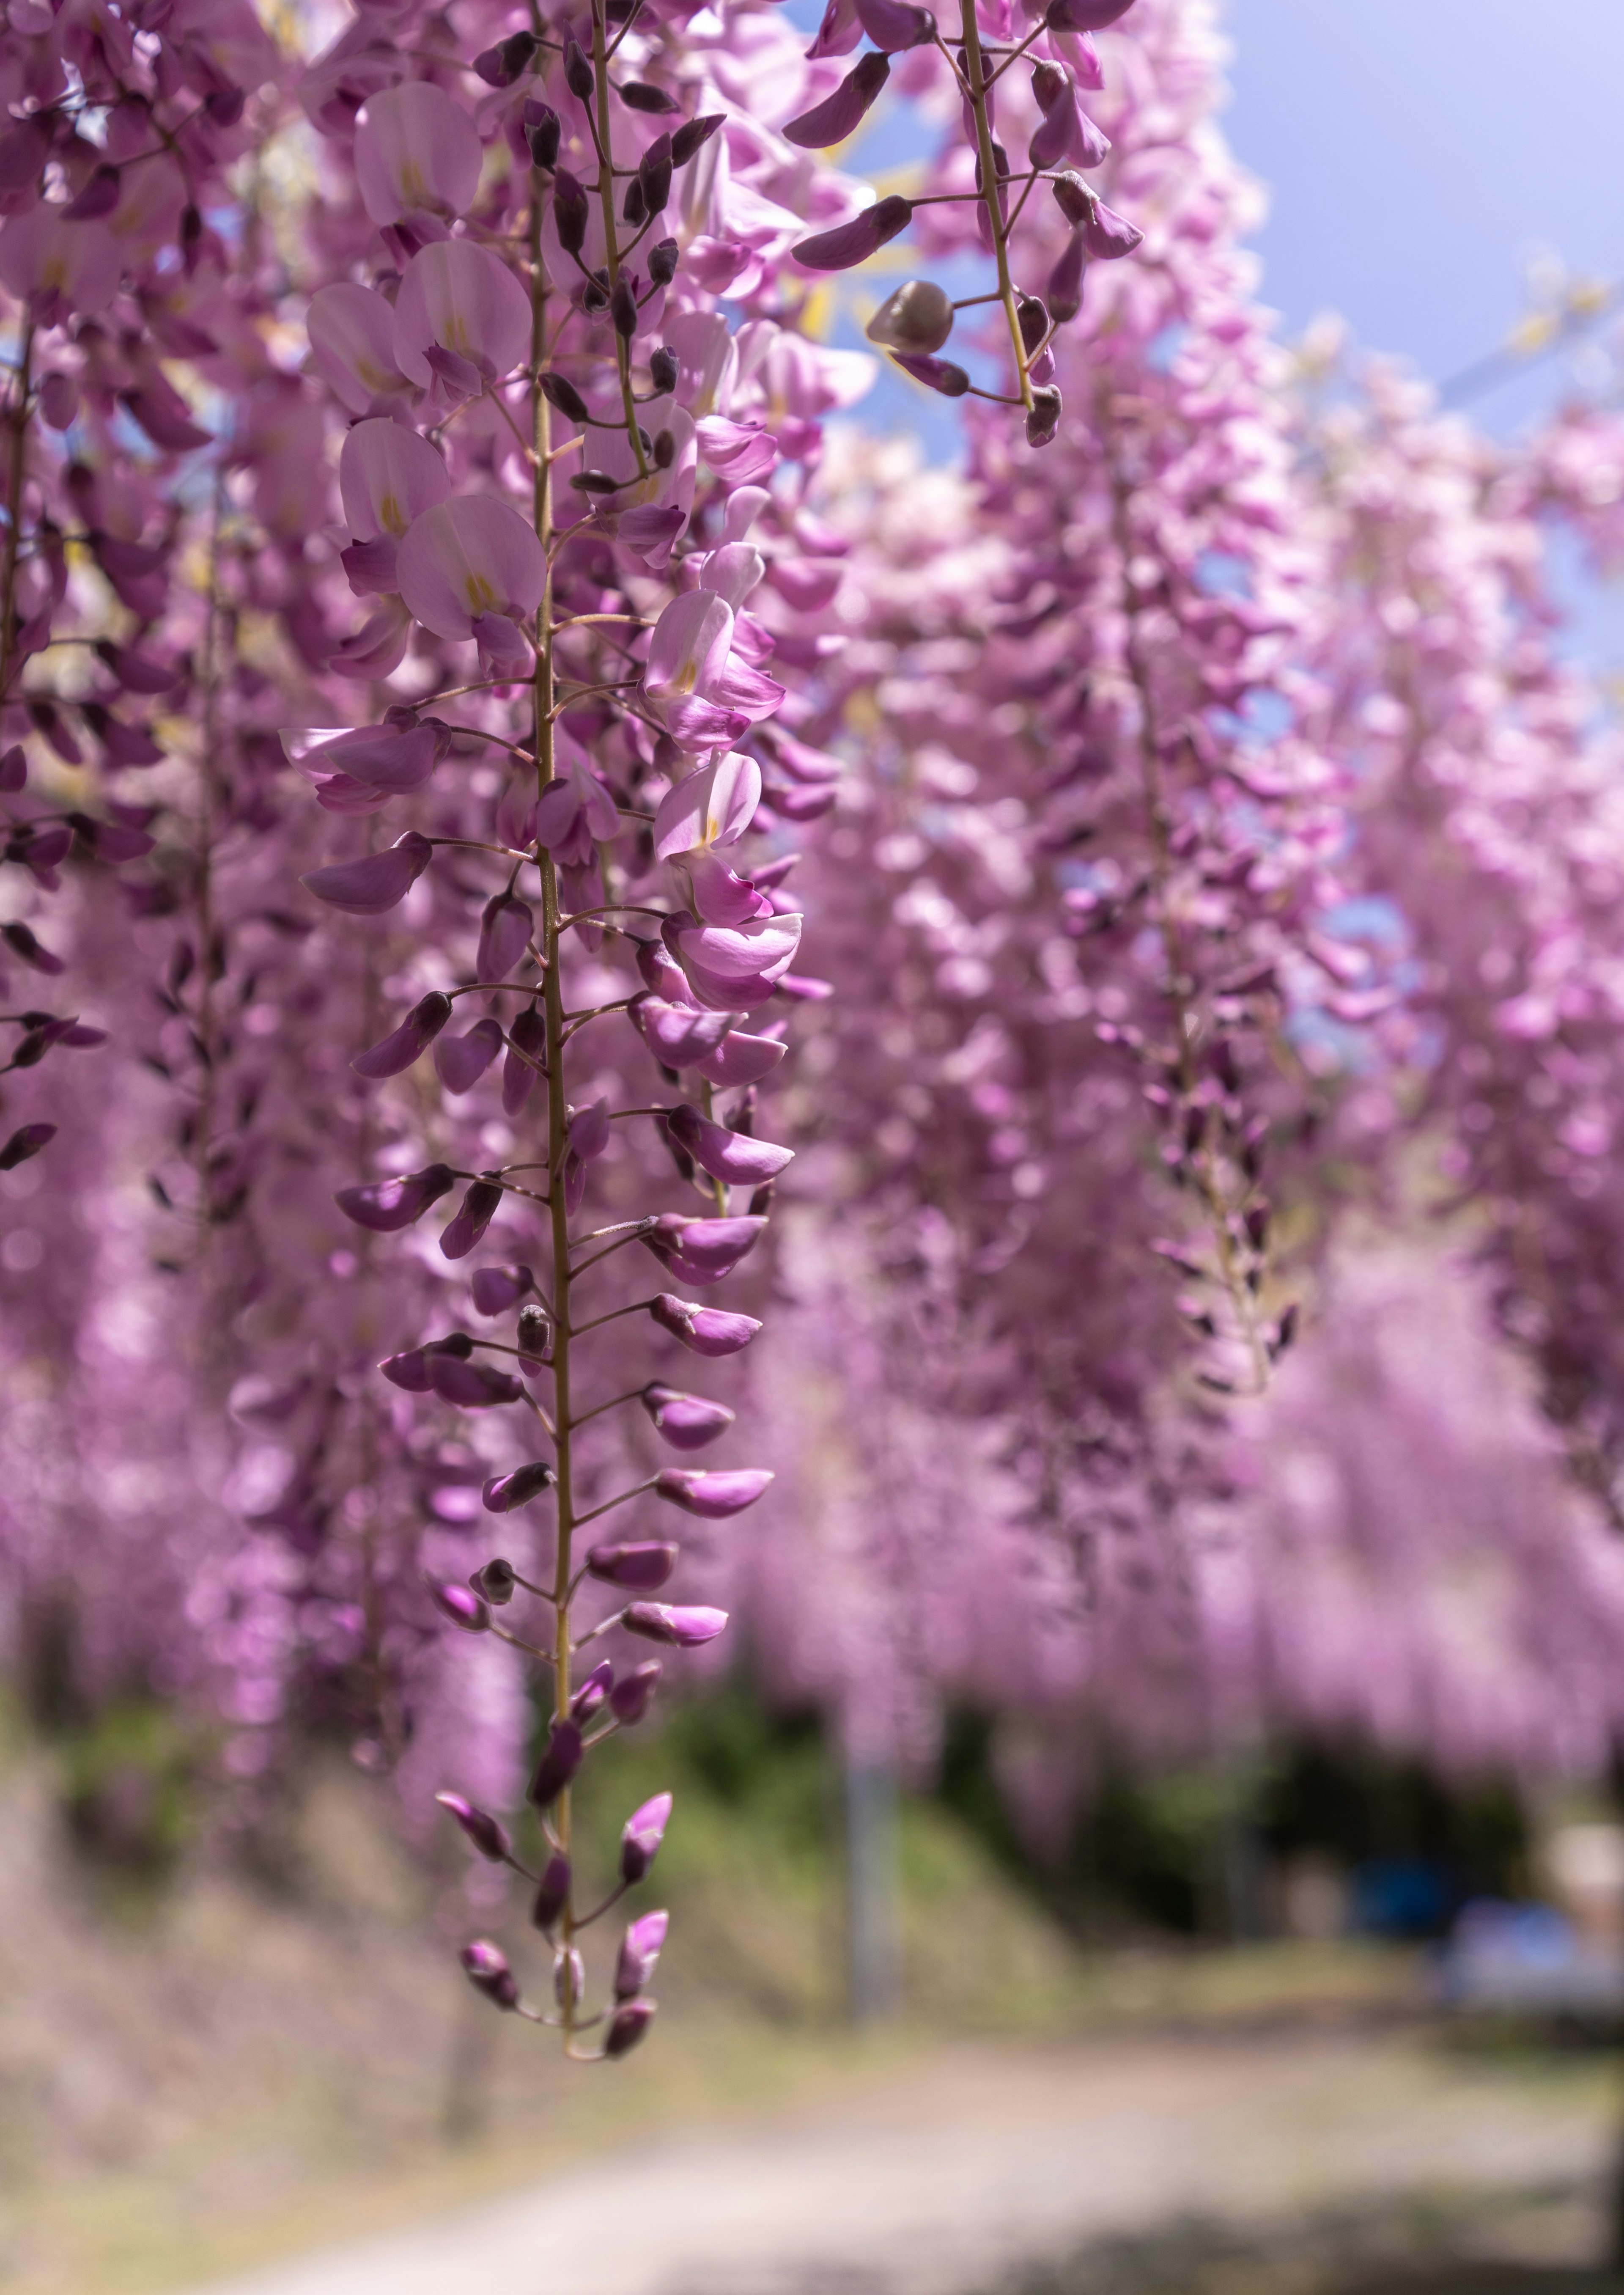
<point>570,211</point>
<point>663,257</point>
<point>692,134</point>
<point>639,1843</point>
<point>592,1692</point>
<point>1072,197</point>
<point>485,1965</point>
<point>503,1493</point>
<point>935,373</point>
<point>631,2020</point>
<point>534,1334</point>
<point>557,1764</point>
<point>459,1604</point>
<point>633,1694</point>
<point>623,308</point>
<point>494,1582</point>
<point>663,371</point>
<point>568,1977</point>
<point>543,133</point>
<point>1044,419</point>
<point>639,1951</point>
<point>552,1892</point>
<point>559,391</point>
<point>918,317</point>
<point>488,1837</point>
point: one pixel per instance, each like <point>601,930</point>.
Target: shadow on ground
<point>1525,2243</point>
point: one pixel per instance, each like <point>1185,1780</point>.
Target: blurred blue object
<point>1527,1959</point>
<point>1398,1897</point>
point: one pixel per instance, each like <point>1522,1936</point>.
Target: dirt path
<point>987,2158</point>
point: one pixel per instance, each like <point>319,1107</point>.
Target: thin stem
<point>977,84</point>
<point>14,502</point>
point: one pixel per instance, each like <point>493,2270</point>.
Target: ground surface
<point>1275,2160</point>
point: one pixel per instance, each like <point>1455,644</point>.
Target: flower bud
<point>534,1334</point>
<point>664,370</point>
<point>856,241</point>
<point>639,1841</point>
<point>687,1422</point>
<point>488,1837</point>
<point>935,374</point>
<point>485,1965</point>
<point>1044,419</point>
<point>1072,197</point>
<point>559,391</point>
<point>494,1582</point>
<point>641,95</point>
<point>470,1385</point>
<point>712,1494</point>
<point>917,316</point>
<point>629,2021</point>
<point>500,66</point>
<point>495,1290</point>
<point>570,211</point>
<point>478,1208</point>
<point>1064,292</point>
<point>677,1628</point>
<point>893,24</point>
<point>654,175</point>
<point>526,1062</point>
<point>577,71</point>
<point>841,114</point>
<point>367,889</point>
<point>543,133</point>
<point>639,1951</point>
<point>559,1763</point>
<point>25,1142</point>
<point>568,1977</point>
<point>663,257</point>
<point>639,1565</point>
<point>552,1892</point>
<point>504,935</point>
<point>386,1205</point>
<point>397,1051</point>
<point>592,1692</point>
<point>503,1493</point>
<point>459,1604</point>
<point>633,1694</point>
<point>1032,319</point>
<point>703,1330</point>
<point>692,135</point>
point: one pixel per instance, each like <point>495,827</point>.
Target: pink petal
<point>366,888</point>
<point>465,299</point>
<point>689,646</point>
<point>469,556</point>
<point>741,1059</point>
<point>388,476</point>
<point>352,344</point>
<point>415,147</point>
<point>712,806</point>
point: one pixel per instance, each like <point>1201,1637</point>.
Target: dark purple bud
<point>702,1250</point>
<point>494,1582</point>
<point>663,258</point>
<point>1285,1330</point>
<point>568,1977</point>
<point>1109,235</point>
<point>935,373</point>
<point>839,115</point>
<point>534,1334</point>
<point>27,1142</point>
<point>592,1692</point>
<point>1074,199</point>
<point>1032,319</point>
<point>692,136</point>
<point>552,1892</point>
<point>500,66</point>
<point>397,1051</point>
<point>505,1492</point>
<point>22,942</point>
<point>559,391</point>
<point>639,96</point>
<point>894,25</point>
<point>1044,419</point>
<point>13,769</point>
<point>388,1205</point>
<point>487,1836</point>
<point>526,1061</point>
<point>703,1330</point>
<point>726,1155</point>
<point>1064,292</point>
<point>856,241</point>
<point>99,198</point>
<point>459,1604</point>
<point>470,1385</point>
<point>623,315</point>
<point>1084,15</point>
<point>687,1422</point>
<point>460,1061</point>
<point>639,1843</point>
<point>664,370</point>
<point>633,1694</point>
<point>486,1966</point>
<point>367,889</point>
<point>657,1621</point>
<point>497,1288</point>
<point>408,1371</point>
<point>654,175</point>
<point>577,71</point>
<point>225,105</point>
<point>543,134</point>
<point>558,1764</point>
<point>570,211</point>
<point>639,1565</point>
<point>713,1494</point>
<point>478,1208</point>
<point>640,1950</point>
<point>627,2027</point>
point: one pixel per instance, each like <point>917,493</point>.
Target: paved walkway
<point>937,2182</point>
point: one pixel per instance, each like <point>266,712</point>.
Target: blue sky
<point>1414,148</point>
